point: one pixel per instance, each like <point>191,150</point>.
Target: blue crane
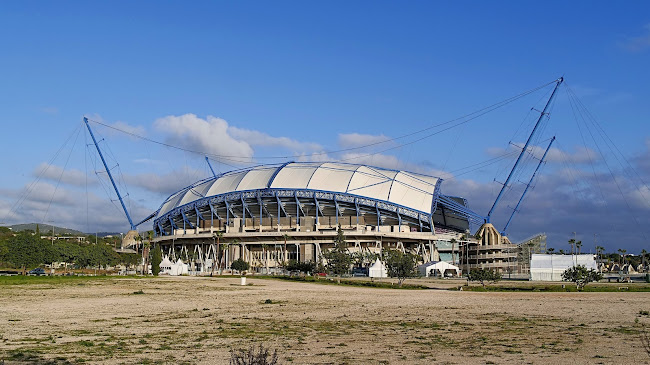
<point>523,150</point>
<point>109,174</point>
<point>527,186</point>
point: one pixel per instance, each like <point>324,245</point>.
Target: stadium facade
<point>270,214</point>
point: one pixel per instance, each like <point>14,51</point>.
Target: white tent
<point>165,266</point>
<point>173,269</point>
<point>435,268</point>
<point>550,267</point>
<point>378,270</point>
<point>179,268</point>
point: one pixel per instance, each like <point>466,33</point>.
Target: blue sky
<point>295,78</point>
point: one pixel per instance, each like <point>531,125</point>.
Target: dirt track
<point>199,320</point>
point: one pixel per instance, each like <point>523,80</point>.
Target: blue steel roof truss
<point>334,198</point>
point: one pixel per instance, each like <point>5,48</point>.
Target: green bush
<point>239,265</point>
<point>156,259</point>
<point>483,276</point>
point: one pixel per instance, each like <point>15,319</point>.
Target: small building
<point>378,270</point>
<point>544,267</point>
<point>439,268</point>
<point>173,269</point>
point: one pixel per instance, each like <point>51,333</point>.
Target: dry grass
<point>201,320</point>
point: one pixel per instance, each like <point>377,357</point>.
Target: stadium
<point>270,214</point>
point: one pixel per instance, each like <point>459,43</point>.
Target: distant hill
<point>45,229</point>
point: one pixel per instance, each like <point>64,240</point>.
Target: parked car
<point>360,271</point>
<point>37,271</point>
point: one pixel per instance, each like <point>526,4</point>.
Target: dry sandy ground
<point>199,320</point>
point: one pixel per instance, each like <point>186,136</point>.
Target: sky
<point>367,82</point>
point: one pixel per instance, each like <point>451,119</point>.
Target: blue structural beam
<point>109,174</point>
<point>528,186</point>
<point>210,165</point>
<point>523,150</point>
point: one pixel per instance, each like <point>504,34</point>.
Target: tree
<point>550,250</point>
<point>265,252</point>
<point>239,265</point>
<point>400,265</point>
<point>304,267</point>
<point>581,276</point>
<point>26,251</point>
<point>599,253</point>
<point>129,259</point>
<point>453,246</point>
<point>225,254</point>
<point>156,259</point>
<point>217,236</point>
<point>483,276</point>
<point>643,253</point>
<point>572,243</point>
<point>338,258</point>
<point>284,255</point>
<point>579,246</point>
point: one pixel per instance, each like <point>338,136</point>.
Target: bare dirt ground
<point>199,320</point>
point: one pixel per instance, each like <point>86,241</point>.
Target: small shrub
<point>239,265</point>
<point>138,292</point>
<point>262,356</point>
<point>268,301</point>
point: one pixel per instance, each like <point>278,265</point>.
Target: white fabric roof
<point>414,191</point>
<point>441,266</point>
<point>378,270</point>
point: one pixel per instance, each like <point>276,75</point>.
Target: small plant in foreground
<point>239,265</point>
<point>483,276</point>
<point>581,276</point>
<point>262,356</point>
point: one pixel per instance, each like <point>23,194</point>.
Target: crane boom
<point>109,174</point>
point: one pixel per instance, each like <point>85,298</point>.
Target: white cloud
<point>257,138</point>
<point>164,184</point>
<point>580,155</point>
<point>118,127</point>
<point>314,157</point>
<point>137,130</point>
<point>215,136</point>
<point>352,140</point>
<point>86,213</point>
<point>639,43</point>
<point>208,135</point>
<point>69,176</point>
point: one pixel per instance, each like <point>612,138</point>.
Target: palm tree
<point>225,255</point>
<point>550,250</point>
<point>572,243</point>
<point>216,236</point>
<point>266,261</point>
<point>284,256</point>
<point>453,256</point>
<point>138,240</point>
<point>599,252</point>
<point>579,246</point>
<point>235,242</point>
<point>643,253</point>
<point>621,252</point>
